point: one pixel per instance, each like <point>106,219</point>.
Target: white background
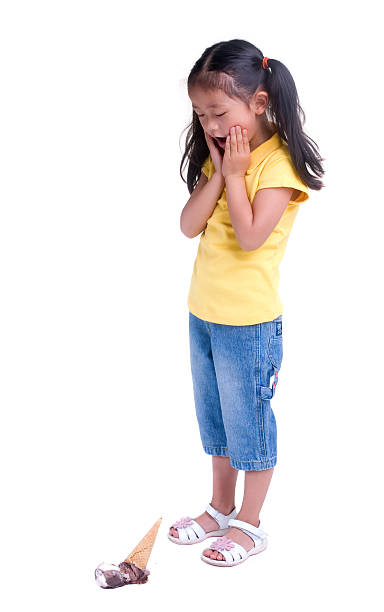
<point>98,434</point>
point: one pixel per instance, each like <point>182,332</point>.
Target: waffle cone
<point>140,554</point>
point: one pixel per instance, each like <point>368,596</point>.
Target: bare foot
<point>238,536</point>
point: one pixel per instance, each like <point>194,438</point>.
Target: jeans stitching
<point>243,465</point>
<point>259,403</point>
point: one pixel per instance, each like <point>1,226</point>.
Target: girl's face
<point>218,113</point>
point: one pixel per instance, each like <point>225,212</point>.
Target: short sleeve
<point>280,172</point>
<point>207,167</point>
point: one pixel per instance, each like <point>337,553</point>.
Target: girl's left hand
<point>237,155</point>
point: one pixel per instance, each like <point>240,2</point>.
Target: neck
<point>264,131</point>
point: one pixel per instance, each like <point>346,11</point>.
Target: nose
<point>211,127</point>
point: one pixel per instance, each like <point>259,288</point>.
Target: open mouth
<point>221,141</point>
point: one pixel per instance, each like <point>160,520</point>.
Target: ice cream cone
<point>140,554</point>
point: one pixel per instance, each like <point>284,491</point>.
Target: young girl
<point>247,176</point>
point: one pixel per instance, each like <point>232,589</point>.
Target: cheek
<point>226,126</point>
<point>234,121</point>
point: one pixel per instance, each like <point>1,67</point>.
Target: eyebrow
<point>210,105</point>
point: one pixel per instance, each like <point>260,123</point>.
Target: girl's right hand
<point>216,153</point>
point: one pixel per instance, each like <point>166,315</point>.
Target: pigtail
<point>289,117</point>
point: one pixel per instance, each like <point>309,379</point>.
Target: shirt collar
<point>264,149</point>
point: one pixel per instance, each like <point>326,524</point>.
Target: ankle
<point>223,507</point>
<point>253,520</point>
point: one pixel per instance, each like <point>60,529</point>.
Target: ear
<point>259,101</point>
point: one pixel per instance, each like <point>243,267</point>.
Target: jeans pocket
<point>275,352</point>
<point>274,355</point>
<point>275,345</point>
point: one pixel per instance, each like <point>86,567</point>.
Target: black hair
<point>235,67</point>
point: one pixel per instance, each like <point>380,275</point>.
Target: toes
<point>174,532</point>
<point>213,554</point>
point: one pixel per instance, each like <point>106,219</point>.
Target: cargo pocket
<point>275,355</point>
<point>275,352</point>
<point>275,345</point>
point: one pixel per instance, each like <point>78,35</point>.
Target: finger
<point>245,140</point>
<point>228,145</point>
<point>239,139</point>
<point>233,140</point>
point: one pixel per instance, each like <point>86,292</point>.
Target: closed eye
<point>216,115</point>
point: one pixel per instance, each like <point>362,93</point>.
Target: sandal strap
<point>248,528</point>
<point>236,553</point>
<point>221,518</point>
<point>191,533</point>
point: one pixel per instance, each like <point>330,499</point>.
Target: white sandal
<point>190,532</point>
<point>233,552</point>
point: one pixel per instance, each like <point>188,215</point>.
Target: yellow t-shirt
<point>233,286</point>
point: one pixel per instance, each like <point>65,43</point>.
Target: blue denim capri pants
<point>232,367</point>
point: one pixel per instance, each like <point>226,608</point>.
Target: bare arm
<point>254,223</point>
<point>198,209</point>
